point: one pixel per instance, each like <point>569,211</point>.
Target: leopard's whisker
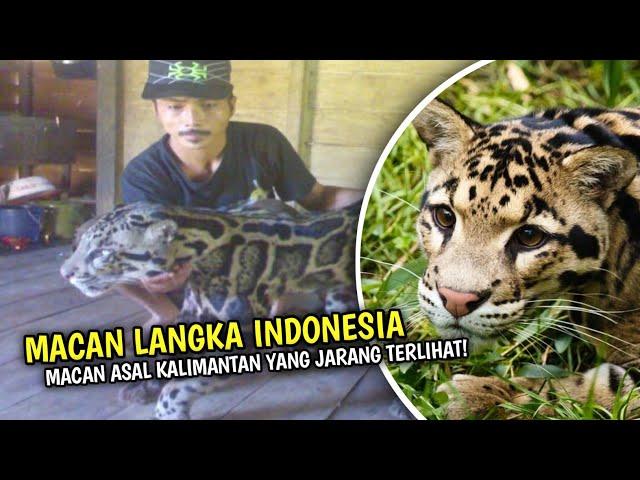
<point>398,198</point>
<point>587,305</point>
<point>607,271</point>
<point>412,303</point>
<point>533,339</point>
<point>579,309</point>
<point>595,294</point>
<point>415,319</point>
<point>391,265</point>
<point>569,332</point>
<point>547,321</point>
<point>578,328</point>
<point>537,337</point>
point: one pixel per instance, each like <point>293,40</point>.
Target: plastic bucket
<point>22,221</point>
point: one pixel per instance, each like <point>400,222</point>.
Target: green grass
<point>391,258</point>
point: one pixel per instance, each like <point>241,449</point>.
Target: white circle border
<point>365,203</point>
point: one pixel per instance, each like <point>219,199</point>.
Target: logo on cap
<point>194,72</point>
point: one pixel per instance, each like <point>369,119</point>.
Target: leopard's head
<point>124,246</point>
<point>513,212</point>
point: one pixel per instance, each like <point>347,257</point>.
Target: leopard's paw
<point>470,396</point>
<point>142,392</point>
<point>175,412</point>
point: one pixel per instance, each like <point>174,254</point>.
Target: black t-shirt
<point>255,156</point>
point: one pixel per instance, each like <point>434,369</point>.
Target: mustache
<point>194,132</point>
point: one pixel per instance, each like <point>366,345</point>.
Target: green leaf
<point>405,366</point>
<point>613,71</point>
<point>401,276</point>
<point>440,398</point>
<point>530,370</point>
<point>527,332</point>
<point>562,343</point>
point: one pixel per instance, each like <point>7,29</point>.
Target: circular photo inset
<point>506,211</point>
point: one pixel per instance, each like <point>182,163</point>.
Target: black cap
<point>188,78</point>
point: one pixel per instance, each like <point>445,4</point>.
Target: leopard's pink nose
<point>460,304</point>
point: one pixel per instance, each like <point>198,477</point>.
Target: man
<point>206,160</point>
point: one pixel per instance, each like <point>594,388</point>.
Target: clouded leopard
<point>246,260</point>
<point>527,209</point>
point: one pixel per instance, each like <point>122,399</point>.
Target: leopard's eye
<point>444,217</point>
<point>101,257</point>
<point>530,236</point>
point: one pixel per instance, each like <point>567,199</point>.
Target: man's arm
<point>293,180</point>
<point>161,308</point>
<point>151,293</point>
<point>323,197</point>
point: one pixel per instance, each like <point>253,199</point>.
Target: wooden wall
<point>359,105</point>
<point>339,115</point>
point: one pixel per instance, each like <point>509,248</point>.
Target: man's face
<point>194,123</point>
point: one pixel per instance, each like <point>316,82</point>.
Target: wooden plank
<point>343,166</point>
<point>20,382</point>
<point>25,384</point>
<point>243,67</point>
<point>69,403</point>
<point>25,289</point>
<point>371,399</point>
<point>21,313</point>
<point>436,68</point>
<point>356,128</point>
<point>140,128</point>
<point>374,92</point>
<point>18,260</point>
<point>310,394</point>
<point>219,403</point>
<point>107,167</point>
<point>34,271</point>
<point>106,310</point>
<point>263,89</point>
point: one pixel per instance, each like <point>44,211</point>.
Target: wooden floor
<point>34,299</point>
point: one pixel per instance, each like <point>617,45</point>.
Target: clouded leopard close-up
<point>519,213</point>
<point>246,260</point>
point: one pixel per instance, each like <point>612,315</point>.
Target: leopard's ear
<point>599,171</point>
<point>445,131</point>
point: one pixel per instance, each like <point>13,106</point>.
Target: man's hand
<point>323,197</point>
<point>168,282</point>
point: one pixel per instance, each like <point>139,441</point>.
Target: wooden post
<point>107,168</point>
<point>66,177</point>
<point>25,171</point>
<point>26,88</point>
<point>295,101</point>
<point>25,92</point>
<point>307,112</point>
